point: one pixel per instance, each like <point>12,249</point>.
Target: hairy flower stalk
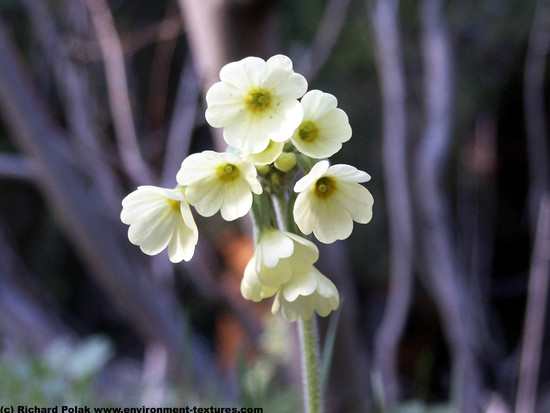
<point>276,169</point>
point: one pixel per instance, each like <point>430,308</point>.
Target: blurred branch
<point>29,319</point>
<point>18,167</point>
<point>132,41</point>
<point>445,281</point>
<point>533,332</point>
<point>222,31</point>
<point>328,32</point>
<point>182,123</point>
<point>161,69</point>
<point>72,85</point>
<point>398,199</point>
<point>119,99</point>
<point>534,108</point>
<point>97,239</point>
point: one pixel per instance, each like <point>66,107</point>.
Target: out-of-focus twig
<point>182,123</point>
<point>98,240</point>
<point>119,98</point>
<point>160,71</point>
<point>444,279</point>
<point>534,108</point>
<point>325,39</point>
<point>18,167</point>
<point>393,90</point>
<point>533,326</point>
<point>28,317</point>
<point>72,85</point>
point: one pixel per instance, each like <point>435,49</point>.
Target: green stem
<point>310,365</point>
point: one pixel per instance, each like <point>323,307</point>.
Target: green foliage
<point>63,375</point>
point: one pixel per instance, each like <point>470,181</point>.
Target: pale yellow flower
<point>324,127</point>
<point>278,255</point>
<point>305,294</point>
<point>256,101</point>
<point>330,199</point>
<point>160,218</point>
<point>219,182</point>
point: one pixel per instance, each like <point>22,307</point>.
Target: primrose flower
<point>330,199</point>
<point>256,101</point>
<point>304,294</point>
<point>324,127</point>
<point>219,182</point>
<point>251,287</point>
<point>158,218</point>
<point>279,254</point>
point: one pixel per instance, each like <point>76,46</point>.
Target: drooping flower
<point>324,127</point>
<point>305,294</point>
<point>330,199</point>
<point>251,288</point>
<point>160,218</point>
<point>279,254</point>
<point>256,101</point>
<point>219,182</point>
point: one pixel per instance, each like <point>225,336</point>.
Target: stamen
<point>308,131</point>
<point>227,172</point>
<point>325,186</point>
<point>258,100</point>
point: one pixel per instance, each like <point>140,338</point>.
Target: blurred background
<point>443,294</point>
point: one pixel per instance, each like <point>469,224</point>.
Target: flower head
<point>219,182</point>
<point>330,199</point>
<point>324,127</point>
<point>279,254</point>
<point>158,218</point>
<point>256,101</point>
<point>304,294</point>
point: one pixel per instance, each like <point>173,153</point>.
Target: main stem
<point>308,335</point>
<point>310,365</point>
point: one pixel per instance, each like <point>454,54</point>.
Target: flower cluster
<point>280,136</point>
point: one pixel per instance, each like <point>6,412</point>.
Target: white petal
<point>206,196</point>
<point>225,104</point>
<point>300,284</point>
<point>277,275</point>
<point>317,103</point>
<point>237,200</point>
<point>247,133</point>
<point>268,155</point>
<point>272,246</point>
<point>348,173</point>
<point>153,234</point>
<point>244,73</point>
<point>302,308</point>
<point>281,124</point>
<point>251,288</point>
<point>333,221</point>
<point>182,244</point>
<point>303,212</point>
<point>356,199</point>
<point>307,182</point>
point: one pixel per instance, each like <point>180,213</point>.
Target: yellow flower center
<point>227,172</point>
<point>258,100</point>
<point>325,186</point>
<point>308,131</point>
<point>174,204</point>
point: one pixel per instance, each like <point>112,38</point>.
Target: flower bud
<point>286,161</point>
